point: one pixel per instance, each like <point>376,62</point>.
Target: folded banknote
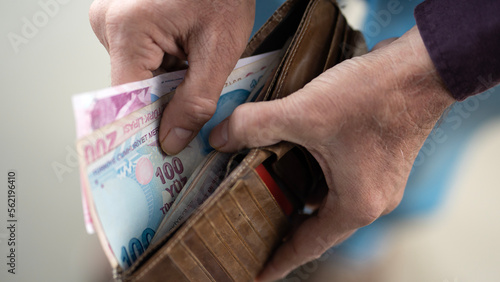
<point>96,109</point>
<point>131,186</point>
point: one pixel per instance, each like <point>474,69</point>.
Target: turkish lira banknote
<point>96,109</point>
<point>131,185</point>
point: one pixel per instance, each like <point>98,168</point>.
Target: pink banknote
<point>94,110</point>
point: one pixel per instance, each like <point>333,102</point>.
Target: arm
<point>142,35</point>
<point>364,120</point>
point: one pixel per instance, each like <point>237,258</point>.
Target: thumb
<point>258,124</point>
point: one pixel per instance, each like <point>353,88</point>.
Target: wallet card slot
<point>186,260</point>
<point>253,209</point>
<point>233,240</point>
<point>276,31</point>
<point>239,226</point>
<point>220,251</point>
<point>204,256</point>
<point>310,48</point>
<point>243,226</point>
<point>174,273</point>
<point>335,53</point>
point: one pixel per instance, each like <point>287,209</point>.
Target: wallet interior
<point>316,36</point>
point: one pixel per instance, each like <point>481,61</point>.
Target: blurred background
<point>446,228</point>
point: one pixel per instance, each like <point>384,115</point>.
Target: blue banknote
<point>132,188</point>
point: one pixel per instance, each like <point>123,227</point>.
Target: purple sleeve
<point>463,40</point>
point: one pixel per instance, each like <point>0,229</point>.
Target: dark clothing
<point>463,40</point>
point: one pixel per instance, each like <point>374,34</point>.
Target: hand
<point>142,35</point>
<point>364,121</point>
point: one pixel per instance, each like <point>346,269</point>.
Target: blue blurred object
<point>432,172</point>
<point>433,168</point>
<point>385,19</point>
<point>263,10</point>
<point>225,107</point>
<point>388,18</point>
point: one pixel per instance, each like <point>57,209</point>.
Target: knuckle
<point>370,207</point>
<point>390,207</point>
<point>254,128</point>
<point>111,20</point>
<point>96,15</point>
<point>298,252</point>
<point>123,14</point>
<point>199,111</point>
<point>127,13</point>
<point>240,128</point>
<point>305,254</point>
<point>394,202</point>
<point>315,256</point>
<point>94,11</point>
<point>237,118</point>
<point>369,214</point>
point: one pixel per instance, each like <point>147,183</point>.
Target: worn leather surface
<point>236,230</point>
<point>229,238</point>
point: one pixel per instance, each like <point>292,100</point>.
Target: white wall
<point>62,57</point>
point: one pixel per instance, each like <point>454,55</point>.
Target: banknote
<point>205,179</point>
<point>106,138</point>
<point>95,109</point>
<point>94,146</point>
<point>131,184</point>
<point>207,176</point>
<point>99,108</point>
<point>132,188</point>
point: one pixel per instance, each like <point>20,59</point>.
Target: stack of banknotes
<point>134,194</point>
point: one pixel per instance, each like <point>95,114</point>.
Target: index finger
<point>195,100</point>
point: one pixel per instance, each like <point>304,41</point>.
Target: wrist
<point>424,93</point>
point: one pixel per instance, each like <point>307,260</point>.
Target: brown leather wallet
<point>234,232</point>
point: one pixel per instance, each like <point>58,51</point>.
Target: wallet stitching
<point>200,265</point>
<point>292,56</point>
<point>238,234</point>
<point>330,58</point>
<point>231,179</point>
<point>211,252</point>
<point>277,16</point>
<point>247,219</point>
<point>252,155</point>
<point>259,206</point>
<point>229,250</point>
<point>343,50</point>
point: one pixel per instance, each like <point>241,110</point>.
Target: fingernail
<point>176,140</point>
<point>218,138</point>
